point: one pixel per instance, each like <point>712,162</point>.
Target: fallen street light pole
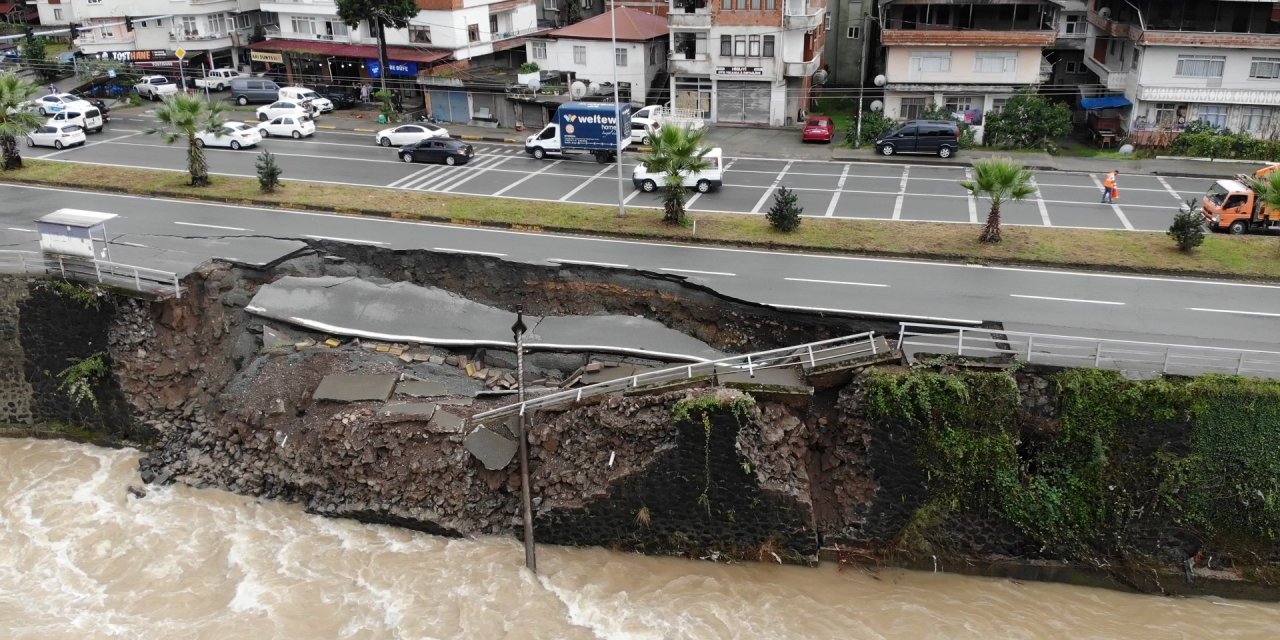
<point>530,559</point>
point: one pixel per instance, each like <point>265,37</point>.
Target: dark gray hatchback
<point>922,136</point>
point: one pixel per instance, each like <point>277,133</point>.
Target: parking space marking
<point>973,199</point>
<point>428,180</point>
<point>522,180</point>
<point>767,192</point>
<point>852,284</point>
<point>1044,211</point>
<point>701,273</point>
<point>1114,207</point>
<point>1165,183</point>
<point>88,144</point>
<point>476,173</point>
<point>607,168</point>
<point>1243,313</point>
<point>1051,299</point>
<point>835,197</point>
<point>629,198</point>
<point>902,193</point>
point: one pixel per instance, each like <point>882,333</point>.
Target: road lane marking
<point>701,273</point>
<point>973,199</point>
<point>87,145</point>
<point>130,244</point>
<point>23,230</point>
<point>588,181</point>
<point>1044,211</point>
<point>1165,183</point>
<point>417,172</point>
<point>902,194</point>
<point>586,262</point>
<point>876,314</point>
<point>835,197</point>
<point>427,181</point>
<point>629,198</point>
<point>1016,295</point>
<point>522,180</point>
<point>447,178</point>
<point>357,241</point>
<point>767,192</point>
<point>853,284</point>
<point>479,171</point>
<point>211,226</point>
<point>1233,311</point>
<point>469,252</point>
<point>1124,221</point>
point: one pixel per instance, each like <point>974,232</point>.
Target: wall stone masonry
<point>15,392</point>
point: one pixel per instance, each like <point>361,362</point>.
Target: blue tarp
<point>1105,102</point>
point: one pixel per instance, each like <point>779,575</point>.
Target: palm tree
<point>14,121</point>
<point>1268,189</point>
<point>183,116</point>
<point>676,152</point>
<point>1000,180</point>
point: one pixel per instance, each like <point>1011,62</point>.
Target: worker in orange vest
<point>1109,187</point>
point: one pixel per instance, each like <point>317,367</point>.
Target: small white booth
<point>71,232</point>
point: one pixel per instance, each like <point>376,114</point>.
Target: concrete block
<point>421,388</point>
<point>272,339</point>
<point>493,449</point>
<point>354,388</point>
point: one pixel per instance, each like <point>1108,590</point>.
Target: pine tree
<point>784,215</point>
<point>268,172</point>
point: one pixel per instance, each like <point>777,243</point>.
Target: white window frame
<point>550,5</point>
<point>538,50</point>
<point>961,101</point>
<point>579,54</point>
<point>419,30</point>
<point>854,33</point>
<point>57,14</point>
<point>1214,114</point>
<point>931,61</point>
<point>1072,25</point>
<point>620,56</point>
<point>753,46</point>
<point>995,62</point>
<point>1272,64</point>
<point>1257,120</point>
<point>295,22</point>
<point>912,108</point>
<point>740,46</point>
<point>339,28</point>
<point>1200,66</point>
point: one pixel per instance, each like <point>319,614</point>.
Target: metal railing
<point>812,354</point>
<point>1076,351</point>
<point>143,279</point>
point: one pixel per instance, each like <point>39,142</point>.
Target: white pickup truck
<point>155,87</point>
<point>219,79</point>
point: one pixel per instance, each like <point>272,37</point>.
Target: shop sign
<point>394,67</point>
<point>266,56</point>
<point>139,55</point>
<point>740,71</point>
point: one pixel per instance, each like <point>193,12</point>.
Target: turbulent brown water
<point>81,559</point>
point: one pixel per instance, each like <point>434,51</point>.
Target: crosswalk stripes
<point>444,177</point>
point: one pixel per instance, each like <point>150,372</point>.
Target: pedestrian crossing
<point>444,178</point>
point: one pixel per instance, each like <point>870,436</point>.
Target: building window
<point>579,54</point>
<point>1201,66</point>
<point>826,21</point>
<point>301,24</point>
<point>1214,114</point>
<point>539,50</point>
<point>913,108</point>
<point>493,24</point>
<point>1256,120</point>
<point>242,21</point>
<point>854,33</point>
<point>620,57</point>
<point>473,33</point>
<point>740,46</point>
<point>57,14</point>
<point>755,5</point>
<point>931,62</point>
<point>422,35</point>
<point>1070,67</point>
<point>997,104</point>
<point>995,62</point>
<point>1265,68</point>
<point>957,104</point>
<point>1072,25</point>
<point>1169,114</point>
<point>753,46</point>
<point>550,5</point>
<point>726,46</point>
<point>768,47</point>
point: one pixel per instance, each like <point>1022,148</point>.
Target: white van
<point>706,180</point>
<point>80,113</point>
<point>303,94</point>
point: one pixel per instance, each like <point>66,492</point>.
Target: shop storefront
<point>312,63</point>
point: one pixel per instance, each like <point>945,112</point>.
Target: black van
<point>922,136</point>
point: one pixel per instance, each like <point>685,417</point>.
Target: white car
<point>56,136</point>
<point>643,130</point>
<point>303,94</point>
<point>234,135</point>
<point>285,126</point>
<point>156,87</point>
<point>407,134</point>
<point>55,103</point>
<point>284,108</point>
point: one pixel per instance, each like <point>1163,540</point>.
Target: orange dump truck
<point>1234,206</point>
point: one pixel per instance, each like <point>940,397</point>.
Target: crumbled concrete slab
<point>406,411</point>
<point>456,402</point>
<point>605,374</point>
<point>445,422</point>
<point>273,339</point>
<point>421,388</point>
<point>355,388</point>
<point>494,450</point>
<point>780,378</point>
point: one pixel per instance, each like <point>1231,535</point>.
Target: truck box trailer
<point>600,128</point>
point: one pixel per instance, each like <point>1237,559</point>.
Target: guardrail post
<point>960,344</point>
<point>1030,339</point>
<point>688,372</point>
<point>902,331</point>
<point>97,270</point>
<point>62,268</point>
<point>177,287</point>
<point>137,280</point>
<point>1165,367</point>
<point>872,339</point>
<point>1240,367</point>
<point>812,362</point>
<point>1097,355</point>
<point>751,370</point>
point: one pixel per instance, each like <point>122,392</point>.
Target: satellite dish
<point>577,90</point>
<point>534,85</point>
<point>1104,12</point>
<point>880,80</point>
<point>820,77</point>
<point>595,89</point>
<point>877,106</point>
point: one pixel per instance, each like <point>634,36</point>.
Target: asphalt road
<point>177,235</point>
<point>826,189</point>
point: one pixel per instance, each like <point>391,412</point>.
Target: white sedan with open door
<point>287,126</point>
<point>58,136</point>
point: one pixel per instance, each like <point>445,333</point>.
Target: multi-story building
<point>147,32</point>
<point>969,56</point>
<point>587,50</point>
<point>745,61</point>
<point>1216,61</point>
<point>55,12</point>
<point>847,24</point>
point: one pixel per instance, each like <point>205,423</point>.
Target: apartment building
<point>1216,61</point>
<point>55,12</point>
<point>213,33</point>
<point>848,42</point>
<point>745,61</point>
<point>967,55</point>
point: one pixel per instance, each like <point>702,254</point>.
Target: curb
<point>487,139</point>
<point>964,163</point>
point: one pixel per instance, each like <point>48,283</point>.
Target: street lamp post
<point>617,102</point>
<point>530,560</point>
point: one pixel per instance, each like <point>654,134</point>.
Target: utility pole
<point>862,79</point>
<point>381,32</point>
<point>617,103</point>
<point>530,560</point>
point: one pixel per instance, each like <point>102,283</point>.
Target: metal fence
<point>143,279</point>
<point>1075,351</point>
<point>810,355</point>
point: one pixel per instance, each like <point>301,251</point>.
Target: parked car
<point>285,108</point>
<point>156,87</point>
<point>219,79</point>
<point>709,179</point>
<point>643,130</point>
<point>288,126</point>
<point>53,103</point>
<point>57,136</point>
<point>922,136</point>
<point>90,119</point>
<point>819,129</point>
<point>305,95</point>
<point>234,135</point>
<point>341,97</point>
<point>98,104</point>
<point>246,90</point>
<point>409,134</point>
<point>445,150</point>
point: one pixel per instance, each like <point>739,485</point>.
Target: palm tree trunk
<point>673,205</point>
<point>196,164</point>
<point>12,159</point>
<point>991,233</point>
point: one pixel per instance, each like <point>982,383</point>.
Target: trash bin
<point>382,118</point>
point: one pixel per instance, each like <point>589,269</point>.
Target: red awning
<point>367,51</point>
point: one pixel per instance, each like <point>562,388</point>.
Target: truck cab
<point>1233,206</point>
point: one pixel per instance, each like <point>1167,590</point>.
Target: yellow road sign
<point>181,53</point>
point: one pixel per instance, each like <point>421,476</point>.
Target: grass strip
<point>1247,257</point>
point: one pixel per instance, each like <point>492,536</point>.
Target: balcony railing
<point>683,64</point>
<point>91,37</point>
<point>802,69</point>
<point>799,14</point>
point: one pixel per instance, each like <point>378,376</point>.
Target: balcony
<point>962,38</point>
<point>695,14</point>
<point>95,37</point>
<point>802,69</point>
<point>200,40</point>
<point>801,16</point>
<point>685,65</point>
<point>1117,23</point>
<point>1113,78</point>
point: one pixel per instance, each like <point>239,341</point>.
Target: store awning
<point>339,49</point>
<point>1105,102</point>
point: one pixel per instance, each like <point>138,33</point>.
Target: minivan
<point>246,90</point>
<point>709,179</point>
<point>83,114</point>
<point>922,136</point>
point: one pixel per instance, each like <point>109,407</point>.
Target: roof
<point>369,51</point>
<point>1105,102</point>
<point>633,25</point>
<point>6,7</point>
<point>76,218</point>
<point>1232,185</point>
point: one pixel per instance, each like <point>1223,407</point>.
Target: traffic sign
<point>180,52</point>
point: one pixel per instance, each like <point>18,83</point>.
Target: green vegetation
<point>1201,140</point>
<point>268,172</point>
<point>698,412</point>
<point>999,180</point>
<point>784,215</point>
<point>15,122</point>
<point>1187,229</point>
<point>183,117</point>
<point>79,379</point>
<point>34,55</point>
<point>529,67</point>
<point>1027,120</point>
<point>676,152</point>
<point>874,125</point>
<point>87,296</point>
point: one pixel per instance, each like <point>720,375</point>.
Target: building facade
<point>745,61</point>
<point>212,33</point>
<point>586,50</point>
<point>55,12</point>
<point>1213,61</point>
<point>848,44</point>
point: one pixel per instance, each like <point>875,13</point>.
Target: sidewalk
<point>1182,167</point>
